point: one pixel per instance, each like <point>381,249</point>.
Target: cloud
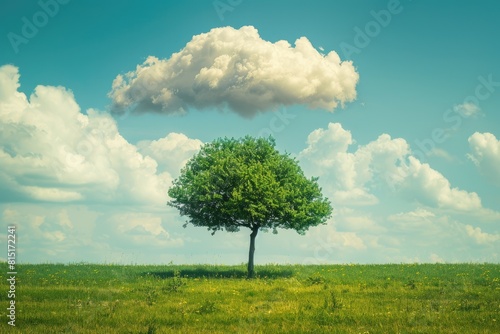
<point>348,177</point>
<point>108,196</point>
<point>72,233</point>
<point>49,232</point>
<point>236,68</point>
<point>347,219</point>
<point>419,222</point>
<point>436,258</point>
<point>383,172</point>
<point>171,152</point>
<point>443,233</point>
<point>467,109</point>
<point>51,152</point>
<point>385,163</point>
<point>418,215</point>
<point>325,240</point>
<point>440,153</point>
<point>481,237</point>
<point>486,155</point>
<point>430,187</point>
<point>141,229</point>
<point>326,156</point>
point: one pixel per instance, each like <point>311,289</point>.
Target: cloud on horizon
<point>236,69</point>
<point>467,109</point>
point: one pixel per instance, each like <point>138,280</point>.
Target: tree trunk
<point>251,272</point>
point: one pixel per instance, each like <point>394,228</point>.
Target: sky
<point>394,105</point>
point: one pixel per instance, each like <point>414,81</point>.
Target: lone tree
<point>234,183</point>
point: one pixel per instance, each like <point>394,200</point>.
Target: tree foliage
<point>235,183</point>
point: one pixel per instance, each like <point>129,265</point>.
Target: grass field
<point>402,298</point>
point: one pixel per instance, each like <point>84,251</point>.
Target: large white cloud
<point>485,154</point>
<point>50,151</point>
<point>350,178</point>
<point>236,68</point>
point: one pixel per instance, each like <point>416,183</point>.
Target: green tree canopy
<point>234,183</point>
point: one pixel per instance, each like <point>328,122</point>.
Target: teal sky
<point>410,162</point>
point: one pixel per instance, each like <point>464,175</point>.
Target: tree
<point>235,183</point>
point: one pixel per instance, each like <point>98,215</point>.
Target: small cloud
<point>467,109</point>
<point>436,258</point>
<point>413,216</point>
<point>440,153</point>
<point>481,237</point>
<point>355,196</point>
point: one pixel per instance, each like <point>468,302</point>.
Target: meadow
<point>396,298</point>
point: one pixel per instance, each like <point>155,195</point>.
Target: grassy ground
<point>86,298</point>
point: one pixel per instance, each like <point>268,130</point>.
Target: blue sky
<point>409,162</point>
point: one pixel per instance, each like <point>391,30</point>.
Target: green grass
<point>87,298</point>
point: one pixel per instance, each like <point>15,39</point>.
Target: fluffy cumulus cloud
<point>430,187</point>
<point>171,152</point>
<point>439,221</point>
<point>350,178</point>
<point>50,151</point>
<point>485,154</point>
<point>76,189</point>
<point>236,68</point>
<point>326,156</point>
